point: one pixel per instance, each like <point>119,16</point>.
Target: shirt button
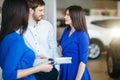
<point>35,43</point>
<point>38,50</point>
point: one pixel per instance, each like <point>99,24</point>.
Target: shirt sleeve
<point>83,47</point>
<point>52,42</point>
<point>13,57</point>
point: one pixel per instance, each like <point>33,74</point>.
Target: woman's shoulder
<point>82,34</point>
<point>13,38</point>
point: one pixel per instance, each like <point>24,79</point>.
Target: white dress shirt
<point>41,39</point>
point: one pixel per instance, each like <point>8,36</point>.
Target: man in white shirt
<point>40,37</point>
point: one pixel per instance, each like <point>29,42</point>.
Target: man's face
<point>38,13</point>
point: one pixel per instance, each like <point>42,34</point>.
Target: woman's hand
<point>45,67</point>
<point>81,70</point>
<point>60,48</point>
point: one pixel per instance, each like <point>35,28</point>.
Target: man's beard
<point>37,18</point>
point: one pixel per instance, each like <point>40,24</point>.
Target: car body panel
<point>114,50</point>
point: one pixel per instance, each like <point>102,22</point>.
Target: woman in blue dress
<point>74,43</point>
<point>16,59</point>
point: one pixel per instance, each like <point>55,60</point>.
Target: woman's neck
<point>72,31</point>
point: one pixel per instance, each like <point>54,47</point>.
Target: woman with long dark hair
<point>16,59</point>
<point>74,43</point>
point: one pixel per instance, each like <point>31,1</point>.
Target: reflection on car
<point>100,29</point>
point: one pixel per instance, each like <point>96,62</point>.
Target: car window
<point>107,23</point>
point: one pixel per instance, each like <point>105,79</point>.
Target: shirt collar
<point>33,25</point>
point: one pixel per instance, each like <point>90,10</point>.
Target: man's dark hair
<point>35,3</point>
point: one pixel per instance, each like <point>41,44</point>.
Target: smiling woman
<point>74,43</point>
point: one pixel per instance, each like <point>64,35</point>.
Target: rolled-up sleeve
<point>83,47</point>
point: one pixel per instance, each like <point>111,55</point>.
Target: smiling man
<point>40,37</point>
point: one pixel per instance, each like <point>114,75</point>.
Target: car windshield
<point>107,23</point>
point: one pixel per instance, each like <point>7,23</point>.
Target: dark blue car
<point>113,58</point>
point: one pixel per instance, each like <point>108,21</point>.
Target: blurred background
<point>103,23</point>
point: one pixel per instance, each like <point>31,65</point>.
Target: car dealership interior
<point>103,23</point>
